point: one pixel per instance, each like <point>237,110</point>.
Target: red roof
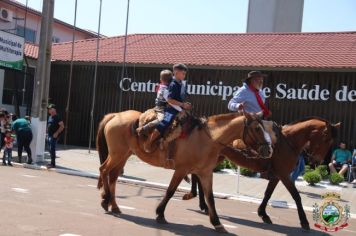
<point>286,50</point>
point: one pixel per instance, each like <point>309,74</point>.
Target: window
<point>55,39</point>
<point>30,34</point>
<point>16,89</point>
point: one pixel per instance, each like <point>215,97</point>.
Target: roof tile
<point>300,50</point>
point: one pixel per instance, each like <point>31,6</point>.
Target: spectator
<point>299,169</point>
<point>340,158</point>
<point>28,118</point>
<point>8,140</point>
<point>24,136</point>
<point>354,166</point>
<point>2,127</point>
<point>55,126</point>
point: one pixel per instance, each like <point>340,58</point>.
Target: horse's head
<point>256,137</point>
<point>320,141</point>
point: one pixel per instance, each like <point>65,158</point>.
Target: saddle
<point>181,126</point>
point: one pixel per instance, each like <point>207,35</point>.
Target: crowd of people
<point>17,131</point>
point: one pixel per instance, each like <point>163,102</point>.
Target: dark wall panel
<point>284,110</point>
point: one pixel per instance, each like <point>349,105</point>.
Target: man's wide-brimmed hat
<point>254,74</point>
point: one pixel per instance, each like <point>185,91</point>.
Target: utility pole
<point>42,79</point>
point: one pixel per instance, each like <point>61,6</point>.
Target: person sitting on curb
<point>353,165</point>
<point>340,158</point>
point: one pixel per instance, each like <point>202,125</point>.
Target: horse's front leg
<point>175,181</point>
<point>202,203</point>
<point>193,190</point>
<point>268,193</point>
<point>298,201</point>
<point>207,184</point>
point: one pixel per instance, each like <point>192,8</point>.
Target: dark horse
<point>318,133</point>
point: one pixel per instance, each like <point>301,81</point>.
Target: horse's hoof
<point>266,219</point>
<point>206,211</point>
<point>116,211</point>
<point>188,196</point>
<point>306,226</point>
<point>104,205</point>
<point>161,220</point>
<point>221,229</point>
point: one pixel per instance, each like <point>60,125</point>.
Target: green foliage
<point>229,165</point>
<point>336,178</point>
<point>220,166</point>
<point>312,177</point>
<point>323,171</point>
<point>247,172</point>
<point>307,169</point>
<point>226,164</point>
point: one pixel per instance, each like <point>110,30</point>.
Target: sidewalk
<point>250,189</point>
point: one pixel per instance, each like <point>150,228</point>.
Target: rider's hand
<point>260,114</point>
<point>240,107</point>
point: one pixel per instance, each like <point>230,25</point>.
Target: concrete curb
<point>149,184</point>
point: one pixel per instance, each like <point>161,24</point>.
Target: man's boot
<point>29,160</point>
<point>146,129</point>
<point>147,146</point>
<point>20,159</point>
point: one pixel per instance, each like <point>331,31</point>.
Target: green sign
<point>11,50</point>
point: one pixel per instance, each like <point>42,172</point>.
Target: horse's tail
<point>101,144</point>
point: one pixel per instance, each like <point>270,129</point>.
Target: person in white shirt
<point>160,102</point>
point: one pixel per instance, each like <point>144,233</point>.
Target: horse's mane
<point>333,129</point>
<point>308,118</point>
<point>216,118</point>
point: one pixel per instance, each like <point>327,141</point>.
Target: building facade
<point>16,87</point>
<point>309,74</point>
<point>12,19</point>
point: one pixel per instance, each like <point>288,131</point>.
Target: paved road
<point>47,203</point>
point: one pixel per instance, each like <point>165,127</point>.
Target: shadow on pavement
<point>311,195</point>
<point>132,177</point>
<point>317,196</point>
<point>282,229</point>
<point>178,229</point>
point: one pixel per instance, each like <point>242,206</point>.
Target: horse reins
<point>246,153</point>
<point>246,132</point>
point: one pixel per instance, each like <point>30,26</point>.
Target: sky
<point>192,16</point>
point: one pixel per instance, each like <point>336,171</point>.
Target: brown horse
<point>317,132</point>
<point>198,153</point>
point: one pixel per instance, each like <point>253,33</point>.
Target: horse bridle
<point>246,132</point>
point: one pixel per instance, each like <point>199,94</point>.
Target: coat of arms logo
<point>330,216</point>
